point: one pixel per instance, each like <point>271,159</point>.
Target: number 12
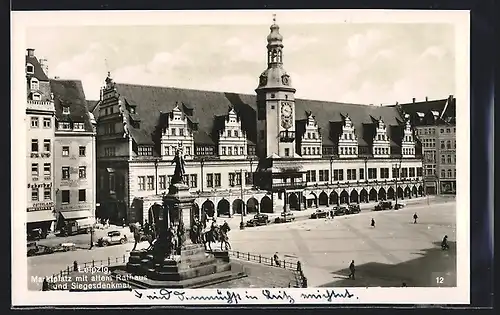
<point>439,280</point>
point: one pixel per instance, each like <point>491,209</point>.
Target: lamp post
<point>397,167</point>
<point>156,176</point>
<point>242,225</point>
<point>331,169</point>
<point>202,162</point>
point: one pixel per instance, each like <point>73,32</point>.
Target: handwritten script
<point>255,296</point>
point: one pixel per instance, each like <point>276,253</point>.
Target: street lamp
<point>242,225</point>
<point>331,169</point>
<point>156,176</point>
<point>397,167</point>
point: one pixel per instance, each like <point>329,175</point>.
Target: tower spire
<point>274,18</point>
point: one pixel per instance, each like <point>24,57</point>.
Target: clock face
<point>286,110</point>
<point>285,80</point>
<point>263,80</point>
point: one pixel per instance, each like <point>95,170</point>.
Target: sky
<point>343,62</point>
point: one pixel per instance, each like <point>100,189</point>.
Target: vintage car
<point>319,214</point>
<point>399,206</point>
<point>37,234</point>
<point>258,219</point>
<point>285,217</point>
<point>34,249</point>
<point>113,238</point>
<point>383,205</point>
<point>354,208</point>
<point>341,211</point>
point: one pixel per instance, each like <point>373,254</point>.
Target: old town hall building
<point>256,153</point>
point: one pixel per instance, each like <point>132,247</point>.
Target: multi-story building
<point>434,123</point>
<point>257,153</point>
<point>40,114</point>
<point>74,155</point>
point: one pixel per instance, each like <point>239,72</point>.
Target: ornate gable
<point>408,141</point>
<point>177,133</point>
<point>232,138</point>
<point>311,144</point>
<point>381,141</point>
<point>348,141</point>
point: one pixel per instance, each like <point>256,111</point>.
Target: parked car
<point>399,206</point>
<point>37,234</point>
<point>354,209</point>
<point>33,249</point>
<point>285,217</point>
<point>383,205</point>
<point>341,211</point>
<point>319,214</point>
<point>259,219</point>
<point>113,238</point>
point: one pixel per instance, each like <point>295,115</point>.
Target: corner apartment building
<point>40,121</point>
<point>249,153</point>
<point>74,155</point>
<point>435,127</point>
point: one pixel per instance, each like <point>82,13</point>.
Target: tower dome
<point>275,35</point>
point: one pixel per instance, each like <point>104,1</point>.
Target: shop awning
<point>40,216</point>
<point>310,197</point>
<point>86,221</point>
<point>72,215</point>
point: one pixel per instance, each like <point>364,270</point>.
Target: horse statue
<point>195,232</point>
<point>216,235</point>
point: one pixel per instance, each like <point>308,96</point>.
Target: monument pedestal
<point>192,267</point>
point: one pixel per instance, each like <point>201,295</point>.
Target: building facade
<point>435,129</point>
<point>252,153</point>
<point>40,121</point>
<point>74,155</point>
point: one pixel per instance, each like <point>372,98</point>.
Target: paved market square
<point>395,251</point>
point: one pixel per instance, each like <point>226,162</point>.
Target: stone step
<point>183,265</point>
<point>189,273</point>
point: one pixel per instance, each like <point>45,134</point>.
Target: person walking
<point>352,269</point>
<point>415,217</point>
<point>373,223</point>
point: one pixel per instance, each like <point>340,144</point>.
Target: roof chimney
<point>413,100</point>
<point>45,66</point>
<point>397,103</point>
<point>426,99</point>
<point>31,52</point>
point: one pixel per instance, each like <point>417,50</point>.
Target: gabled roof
<point>446,109</point>
<point>207,105</point>
<point>38,71</point>
<point>70,93</point>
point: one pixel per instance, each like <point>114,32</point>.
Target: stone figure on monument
<point>180,167</point>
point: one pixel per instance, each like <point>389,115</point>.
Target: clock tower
<point>275,102</point>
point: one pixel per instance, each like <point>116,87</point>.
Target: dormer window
<point>145,150</point>
<point>65,110</point>
<point>34,84</point>
<point>30,69</point>
<point>64,126</point>
<point>79,126</point>
<point>36,96</point>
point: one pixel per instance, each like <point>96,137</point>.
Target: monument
<point>176,259</point>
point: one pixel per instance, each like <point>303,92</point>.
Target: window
<point>46,169</point>
<point>251,150</point>
<point>217,180</point>
<point>65,151</point>
<point>109,151</point>
<point>142,183</point>
<point>361,173</point>
<point>450,174</point>
<point>404,172</point>
<point>47,193</point>
<point>223,151</point>
<point>372,173</point>
<point>419,172</point>
<point>34,169</point>
<point>442,144</point>
<point>81,151</point>
<point>145,150</point>
<point>79,126</point>
<point>448,158</point>
<point>65,110</point>
<point>34,84</point>
<point>412,172</point>
<point>443,159</point>
<point>443,172</point>
<point>34,122</point>
<point>242,150</point>
<point>238,179</point>
<point>351,174</point>
<point>188,150</point>
<point>321,176</point>
<point>65,172</point>
<point>448,130</point>
<point>229,151</point>
<point>235,150</point>
<point>36,97</point>
<point>309,151</point>
<point>82,195</point>
<point>82,172</point>
<point>34,145</point>
<point>151,183</point>
<point>167,150</point>
<point>448,144</point>
<point>338,175</point>
<point>455,170</point>
<point>65,196</point>
<point>193,183</point>
<point>34,193</point>
<point>395,173</point>
<point>64,125</point>
<point>46,145</point>
<point>236,133</point>
<point>384,172</point>
<point>441,131</point>
<point>287,152</point>
<point>30,69</point>
<point>210,180</point>
<point>47,123</point>
<point>181,131</point>
<point>231,179</point>
<point>454,144</point>
<point>173,132</point>
<point>162,182</point>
